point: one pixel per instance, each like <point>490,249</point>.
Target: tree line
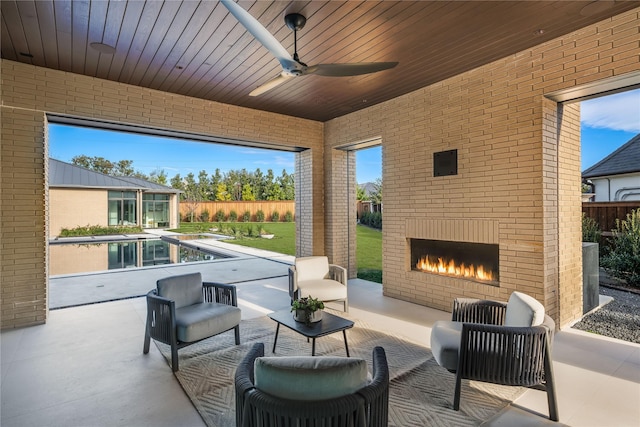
<point>234,185</point>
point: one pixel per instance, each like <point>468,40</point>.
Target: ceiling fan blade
<point>355,69</point>
<point>259,32</point>
<point>271,84</point>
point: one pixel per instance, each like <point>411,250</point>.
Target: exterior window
<point>155,210</point>
<point>122,208</point>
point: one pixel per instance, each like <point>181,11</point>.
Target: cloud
<point>286,162</point>
<point>616,112</point>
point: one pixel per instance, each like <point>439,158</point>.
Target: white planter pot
<point>267,236</point>
<point>301,316</point>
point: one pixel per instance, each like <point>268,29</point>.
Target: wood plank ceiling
<point>196,48</point>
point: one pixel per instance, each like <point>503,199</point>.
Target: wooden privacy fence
<point>363,206</point>
<point>606,213</point>
<point>240,207</point>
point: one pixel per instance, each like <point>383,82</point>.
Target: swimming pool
<point>75,258</point>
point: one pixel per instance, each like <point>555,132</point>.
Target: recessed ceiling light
<point>103,48</point>
<point>539,32</point>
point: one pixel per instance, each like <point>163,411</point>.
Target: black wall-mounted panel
<point>445,163</point>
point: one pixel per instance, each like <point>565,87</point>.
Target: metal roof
<point>66,175</point>
<point>625,159</point>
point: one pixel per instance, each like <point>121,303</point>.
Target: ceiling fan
<point>291,65</point>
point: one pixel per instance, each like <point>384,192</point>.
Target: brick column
<point>23,210</point>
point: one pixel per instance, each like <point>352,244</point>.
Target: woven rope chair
<point>366,407</point>
<point>507,355</point>
<point>194,311</point>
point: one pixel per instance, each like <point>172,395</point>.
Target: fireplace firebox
<point>470,261</point>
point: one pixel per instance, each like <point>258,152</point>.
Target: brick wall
<point>517,162</point>
<point>518,165</point>
<point>29,92</point>
<point>569,216</point>
<point>23,204</point>
<point>71,208</point>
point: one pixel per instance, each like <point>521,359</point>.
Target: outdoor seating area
<point>478,112</point>
<point>50,377</point>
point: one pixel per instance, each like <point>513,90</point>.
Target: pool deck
<point>88,288</point>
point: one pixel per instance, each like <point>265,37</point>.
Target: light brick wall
<point>71,208</point>
<point>569,220</point>
<point>307,225</point>
<point>352,215</point>
<point>27,93</point>
<point>551,119</point>
<point>340,200</point>
<point>512,168</point>
<point>23,204</point>
<point>517,165</point>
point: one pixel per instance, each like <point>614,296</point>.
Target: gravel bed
<point>618,319</point>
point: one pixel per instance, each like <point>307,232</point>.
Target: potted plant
<point>307,309</point>
<point>265,234</point>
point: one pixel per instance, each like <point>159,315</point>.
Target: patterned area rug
<point>421,392</point>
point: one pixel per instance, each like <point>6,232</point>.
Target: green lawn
<point>283,242</point>
<point>369,251</point>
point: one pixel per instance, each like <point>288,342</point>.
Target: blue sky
<point>606,122</point>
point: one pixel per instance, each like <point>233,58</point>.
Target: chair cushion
<point>445,343</point>
<point>323,289</point>
<point>308,377</point>
<point>312,268</point>
<point>199,321</point>
<point>184,290</point>
<point>523,310</point>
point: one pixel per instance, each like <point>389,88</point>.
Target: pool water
<point>76,258</point>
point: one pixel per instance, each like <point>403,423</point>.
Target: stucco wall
<point>518,167</point>
<point>625,188</point>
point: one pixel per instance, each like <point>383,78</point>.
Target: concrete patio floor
<point>85,366</point>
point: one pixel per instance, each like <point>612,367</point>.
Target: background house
<point>616,178</point>
<point>79,196</point>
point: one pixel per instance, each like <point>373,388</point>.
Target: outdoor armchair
<point>314,276</point>
<point>500,343</point>
<point>311,391</point>
<point>183,310</point>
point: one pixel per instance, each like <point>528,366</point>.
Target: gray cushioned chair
<point>497,342</point>
<point>311,391</point>
<point>183,310</point>
<point>314,276</point>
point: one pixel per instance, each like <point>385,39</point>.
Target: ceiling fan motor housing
<point>295,21</point>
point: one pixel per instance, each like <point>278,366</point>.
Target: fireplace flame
<point>449,267</point>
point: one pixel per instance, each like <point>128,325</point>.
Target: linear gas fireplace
<point>470,261</point>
